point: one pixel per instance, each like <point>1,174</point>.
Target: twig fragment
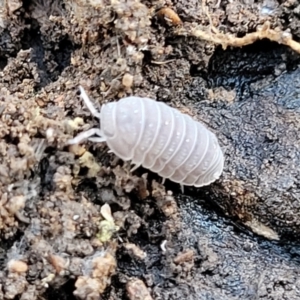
<point>162,62</point>
<point>227,40</point>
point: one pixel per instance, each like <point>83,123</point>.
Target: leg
<point>97,139</point>
<point>134,168</point>
<point>86,135</point>
<point>89,103</point>
<point>182,188</point>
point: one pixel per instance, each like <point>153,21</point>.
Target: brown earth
<point>75,223</point>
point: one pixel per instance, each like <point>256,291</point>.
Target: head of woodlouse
<point>121,118</point>
<point>118,123</point>
<point>107,115</point>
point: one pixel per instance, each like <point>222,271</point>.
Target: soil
<point>76,223</point>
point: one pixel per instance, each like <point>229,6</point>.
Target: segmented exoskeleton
<point>158,137</point>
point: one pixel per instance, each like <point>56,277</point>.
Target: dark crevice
<point>60,54</point>
<point>3,62</point>
<point>65,292</point>
<point>237,68</point>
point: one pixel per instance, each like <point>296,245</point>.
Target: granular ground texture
<point>76,223</point>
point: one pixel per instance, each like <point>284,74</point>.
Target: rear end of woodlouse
<point>158,137</point>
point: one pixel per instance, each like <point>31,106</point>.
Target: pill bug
<point>158,137</point>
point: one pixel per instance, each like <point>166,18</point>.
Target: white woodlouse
<point>158,137</point>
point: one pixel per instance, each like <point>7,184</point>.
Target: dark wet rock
<point>259,132</point>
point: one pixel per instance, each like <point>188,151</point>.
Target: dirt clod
<point>76,222</point>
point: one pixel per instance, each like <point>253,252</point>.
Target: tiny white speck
<point>167,122</point>
<point>177,133</point>
<point>136,111</point>
<point>286,35</point>
<point>187,140</point>
<point>163,246</point>
<point>49,132</point>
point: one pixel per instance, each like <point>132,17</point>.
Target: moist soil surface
<point>76,223</point>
